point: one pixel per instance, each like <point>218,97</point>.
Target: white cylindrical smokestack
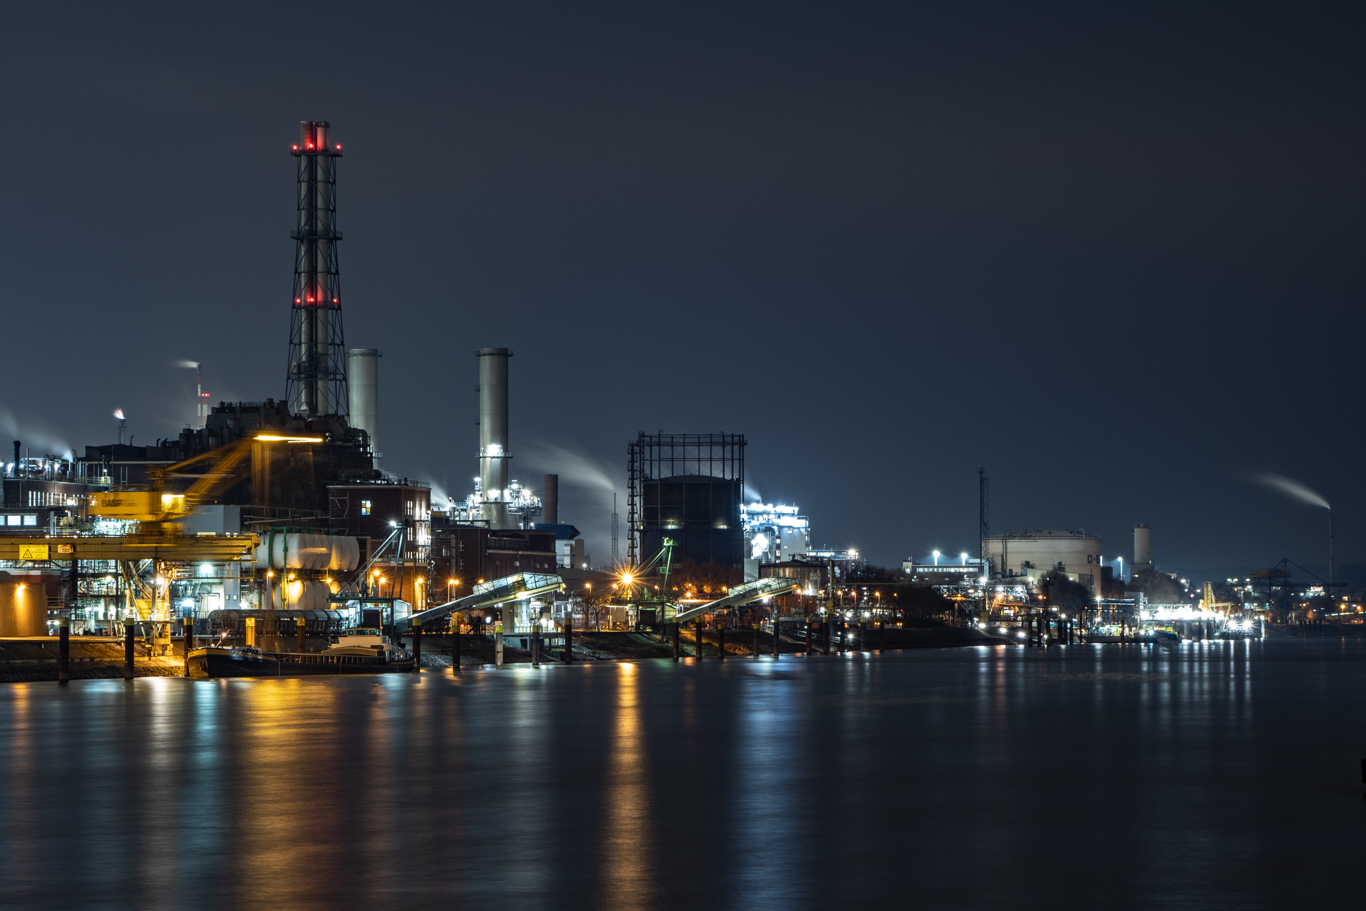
<point>363,392</point>
<point>550,500</point>
<point>493,433</point>
<point>1143,546</point>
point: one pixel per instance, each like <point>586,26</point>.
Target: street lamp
<point>964,555</point>
<point>936,558</point>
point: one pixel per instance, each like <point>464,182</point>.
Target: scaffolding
<point>653,457</point>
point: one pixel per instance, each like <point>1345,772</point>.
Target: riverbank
<point>94,658</point>
<point>739,643</point>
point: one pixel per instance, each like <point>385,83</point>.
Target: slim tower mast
<point>983,513</point>
<point>316,382</point>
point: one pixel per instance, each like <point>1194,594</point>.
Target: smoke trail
<point>1290,487</point>
<point>188,365</point>
<point>40,440</point>
<point>574,466</point>
<point>586,488</point>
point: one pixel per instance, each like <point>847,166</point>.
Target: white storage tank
<point>293,550</point>
<point>1143,546</point>
<point>1035,553</point>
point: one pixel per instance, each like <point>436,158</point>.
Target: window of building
<point>14,520</point>
<point>365,507</point>
<point>30,520</point>
<point>408,507</point>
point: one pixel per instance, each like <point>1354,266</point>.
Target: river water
<point>1217,775</point>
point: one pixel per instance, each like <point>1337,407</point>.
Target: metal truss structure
<point>663,455</point>
<point>316,378</point>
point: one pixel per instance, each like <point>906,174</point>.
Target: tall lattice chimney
<point>316,383</point>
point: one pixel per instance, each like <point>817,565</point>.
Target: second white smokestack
<point>363,392</point>
<point>493,434</point>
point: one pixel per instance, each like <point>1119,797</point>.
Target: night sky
<point>1110,251</point>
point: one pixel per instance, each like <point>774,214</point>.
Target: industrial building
<point>1034,554</point>
<point>300,472</point>
<point>686,487</point>
<point>773,534</point>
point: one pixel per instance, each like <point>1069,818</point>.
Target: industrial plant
<point>276,525</point>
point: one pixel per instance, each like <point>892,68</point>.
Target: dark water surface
<point>1205,776</point>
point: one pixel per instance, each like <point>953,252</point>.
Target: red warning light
<point>334,300</point>
<point>295,148</point>
<point>339,148</point>
<point>296,300</point>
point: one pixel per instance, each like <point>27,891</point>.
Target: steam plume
<point>188,365</point>
<point>1290,488</point>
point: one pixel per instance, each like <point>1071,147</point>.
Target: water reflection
<point>628,846</point>
<point>960,778</point>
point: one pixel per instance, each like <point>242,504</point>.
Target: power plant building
<point>1034,554</point>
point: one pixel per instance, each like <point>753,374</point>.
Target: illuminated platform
<point>172,548</point>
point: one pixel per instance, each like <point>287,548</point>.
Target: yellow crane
<point>157,511</point>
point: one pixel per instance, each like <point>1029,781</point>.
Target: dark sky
<point>1111,251</point>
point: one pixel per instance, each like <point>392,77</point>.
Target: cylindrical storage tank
<point>550,500</point>
<point>493,433</point>
<point>345,553</point>
<point>1143,546</point>
<point>288,550</point>
<point>363,389</point>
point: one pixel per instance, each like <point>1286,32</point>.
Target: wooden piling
<point>755,651</point>
<point>187,633</point>
<point>417,646</point>
<point>721,648</point>
<point>455,646</point>
<point>128,649</point>
<point>63,649</point>
<point>697,629</point>
<point>675,641</point>
<point>536,645</point>
<point>568,639</point>
<point>776,628</point>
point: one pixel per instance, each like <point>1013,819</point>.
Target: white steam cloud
<point>38,439</point>
<point>586,488</point>
<point>574,466</point>
<point>1290,488</point>
<point>188,365</point>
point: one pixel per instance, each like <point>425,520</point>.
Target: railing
<point>315,658</point>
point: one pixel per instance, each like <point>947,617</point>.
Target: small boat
<point>359,651</point>
<point>369,643</point>
<point>231,661</point>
